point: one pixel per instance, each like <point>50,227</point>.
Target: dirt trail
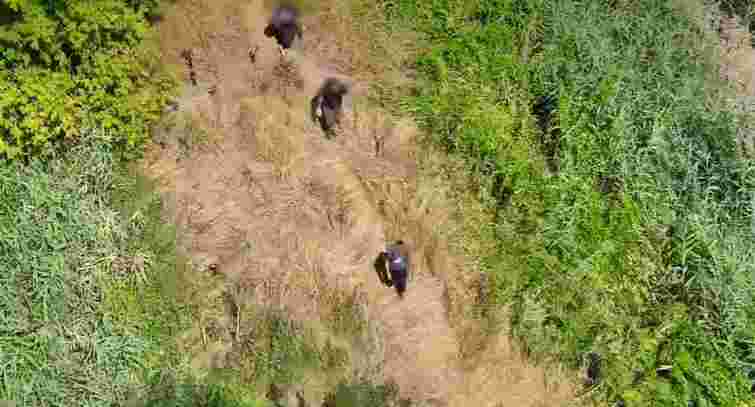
<point>738,67</point>
<point>292,215</point>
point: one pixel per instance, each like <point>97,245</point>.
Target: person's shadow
<point>382,270</point>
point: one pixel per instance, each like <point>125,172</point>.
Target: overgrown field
<point>82,308</point>
<point>600,133</point>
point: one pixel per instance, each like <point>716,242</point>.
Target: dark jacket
<point>397,263</point>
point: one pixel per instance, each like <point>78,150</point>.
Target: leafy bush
<point>638,244</point>
<point>64,62</point>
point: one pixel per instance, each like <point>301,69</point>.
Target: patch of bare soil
<point>738,67</point>
<point>294,217</point>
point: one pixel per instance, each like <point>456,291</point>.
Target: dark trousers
<point>399,281</point>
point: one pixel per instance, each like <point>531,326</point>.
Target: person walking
<point>396,257</point>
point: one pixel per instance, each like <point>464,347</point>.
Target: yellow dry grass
<point>275,131</point>
<point>194,24</point>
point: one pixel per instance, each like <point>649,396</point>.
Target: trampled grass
<point>631,235</point>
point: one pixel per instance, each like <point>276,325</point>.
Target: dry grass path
<point>296,216</point>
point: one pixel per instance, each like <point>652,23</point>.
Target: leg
<point>315,106</point>
<point>388,277</point>
<point>401,287</point>
<point>253,53</point>
<point>399,281</point>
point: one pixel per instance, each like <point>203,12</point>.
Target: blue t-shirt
<point>396,262</point>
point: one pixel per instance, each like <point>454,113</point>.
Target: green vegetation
<point>363,394</point>
<point>629,225</point>
<point>626,228</point>
<point>82,307</point>
<point>65,63</point>
<point>86,292</point>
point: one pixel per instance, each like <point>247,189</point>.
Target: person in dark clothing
<point>327,104</point>
<point>397,259</point>
<point>284,27</point>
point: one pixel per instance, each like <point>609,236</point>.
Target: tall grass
<point>65,251</point>
<point>656,267</point>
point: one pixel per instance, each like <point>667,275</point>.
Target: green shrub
<point>659,270</point>
<point>62,62</point>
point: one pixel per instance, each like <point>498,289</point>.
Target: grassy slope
<point>659,271</point>
<point>88,310</point>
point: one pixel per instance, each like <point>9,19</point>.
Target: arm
<point>409,271</point>
<point>315,108</point>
